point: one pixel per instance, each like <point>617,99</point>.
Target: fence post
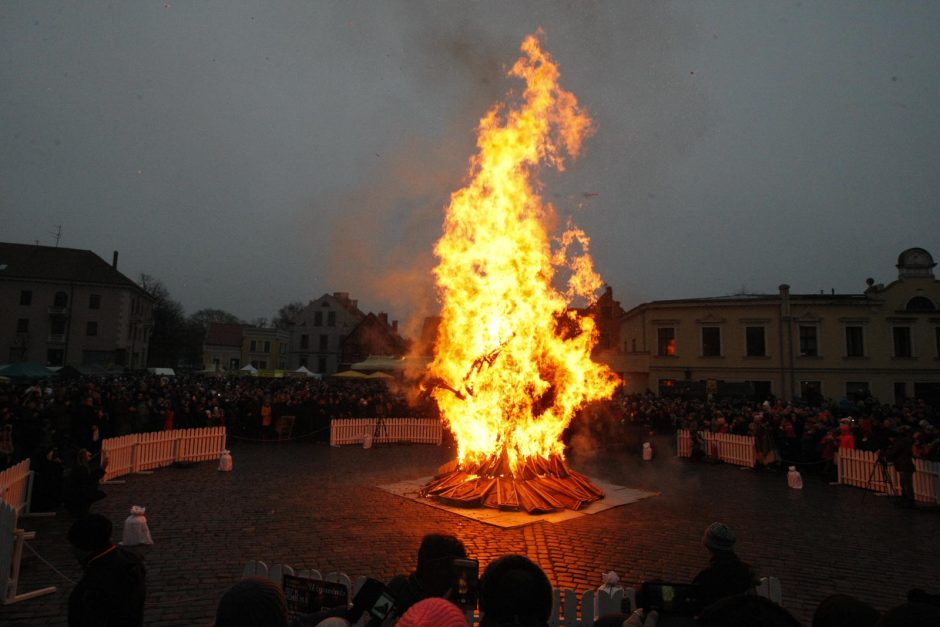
<point>135,461</point>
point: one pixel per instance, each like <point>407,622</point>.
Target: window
<point>900,392</point>
<point>57,325</point>
<point>811,391</point>
<point>755,341</point>
<point>902,342</point>
<point>55,357</point>
<point>233,363</point>
<point>61,300</point>
<point>809,341</point>
<point>267,347</point>
<point>321,365</point>
<point>94,301</point>
<point>26,297</point>
<point>318,318</point>
<point>854,342</point>
<point>22,325</point>
<point>711,341</point>
<point>857,390</point>
<point>91,328</point>
<point>920,303</point>
<point>304,341</point>
<point>324,339</point>
<point>262,365</point>
<point>331,318</point>
<point>667,341</point>
<point>253,347</point>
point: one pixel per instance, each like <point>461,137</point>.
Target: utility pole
<point>58,235</point>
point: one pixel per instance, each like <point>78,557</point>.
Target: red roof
<point>220,334</point>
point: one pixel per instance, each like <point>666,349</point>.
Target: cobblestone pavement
<point>309,505</point>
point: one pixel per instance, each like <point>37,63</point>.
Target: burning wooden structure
<point>512,360</point>
<point>537,486</point>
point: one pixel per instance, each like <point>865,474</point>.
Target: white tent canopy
<point>303,371</point>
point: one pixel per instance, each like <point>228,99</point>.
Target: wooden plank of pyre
<point>503,495</point>
<point>530,500</point>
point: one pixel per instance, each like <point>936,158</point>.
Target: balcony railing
<point>56,338</point>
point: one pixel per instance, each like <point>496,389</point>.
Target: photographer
<point>900,454</point>
<point>432,578</point>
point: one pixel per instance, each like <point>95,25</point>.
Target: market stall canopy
<point>350,374</point>
<point>379,375</point>
<point>303,372</point>
<point>165,372</point>
<point>248,369</point>
<point>25,371</point>
<point>392,363</point>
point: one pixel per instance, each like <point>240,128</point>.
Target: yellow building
<point>884,342</point>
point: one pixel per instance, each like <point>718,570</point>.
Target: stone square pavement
<point>309,505</point>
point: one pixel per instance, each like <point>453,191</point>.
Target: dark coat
<point>726,575</point>
<point>111,592</point>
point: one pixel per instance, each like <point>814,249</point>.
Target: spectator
<point>746,610</point>
<point>726,574</point>
<point>514,592</point>
<point>81,487</point>
<point>433,612</point>
<point>841,610</point>
<point>252,602</point>
<point>900,454</point>
<point>911,615</point>
<point>433,576</point>
<point>113,585</point>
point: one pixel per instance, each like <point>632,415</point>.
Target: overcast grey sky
<point>249,154</point>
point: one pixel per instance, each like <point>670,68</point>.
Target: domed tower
<point>915,263</point>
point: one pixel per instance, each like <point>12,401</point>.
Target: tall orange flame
<point>512,360</point>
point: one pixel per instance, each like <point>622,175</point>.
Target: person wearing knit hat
<point>433,612</point>
<point>252,602</point>
<point>113,584</point>
<point>726,574</point>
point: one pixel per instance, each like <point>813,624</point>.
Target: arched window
<point>920,303</point>
<point>61,299</point>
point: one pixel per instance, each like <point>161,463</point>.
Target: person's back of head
<point>842,610</point>
<point>514,592</point>
<point>746,610</point>
<point>433,612</point>
<point>911,615</point>
<point>90,533</point>
<point>252,602</point>
<point>434,562</point>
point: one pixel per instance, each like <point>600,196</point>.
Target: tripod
<point>380,429</point>
<point>879,474</point>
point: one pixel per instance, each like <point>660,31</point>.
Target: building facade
<point>318,330</point>
<point>884,342</point>
<point>63,306</point>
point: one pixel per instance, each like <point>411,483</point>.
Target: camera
<point>677,603</point>
<point>464,583</point>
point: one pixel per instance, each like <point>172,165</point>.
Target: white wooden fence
<point>11,552</point>
<point>145,451</point>
<point>566,611</point>
<point>856,468</point>
<point>358,430</point>
<point>730,448</point>
<point>15,485</point>
<point>863,470</point>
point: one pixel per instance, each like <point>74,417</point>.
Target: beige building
<point>232,346</point>
<point>884,342</point>
<point>63,306</point>
<point>317,332</point>
<point>265,348</point>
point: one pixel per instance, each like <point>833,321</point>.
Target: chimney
<point>785,300</point>
<point>114,260</point>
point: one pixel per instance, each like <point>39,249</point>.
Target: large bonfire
<point>512,360</point>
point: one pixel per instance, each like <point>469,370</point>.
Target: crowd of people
<point>513,591</point>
